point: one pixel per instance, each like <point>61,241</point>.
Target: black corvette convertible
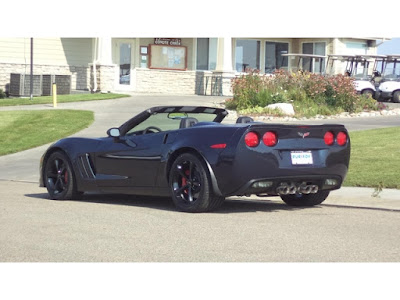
<point>185,152</point>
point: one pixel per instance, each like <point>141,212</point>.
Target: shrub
<point>2,94</point>
<point>310,93</point>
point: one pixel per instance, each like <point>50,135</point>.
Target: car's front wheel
<point>305,199</point>
<point>190,185</point>
<point>59,177</point>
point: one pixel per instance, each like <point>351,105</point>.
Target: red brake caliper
<point>66,177</point>
<point>184,181</point>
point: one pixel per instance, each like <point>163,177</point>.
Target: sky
<point>390,47</point>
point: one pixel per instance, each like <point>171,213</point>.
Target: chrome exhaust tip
<point>283,189</point>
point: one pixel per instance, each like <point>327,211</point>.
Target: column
<point>224,55</point>
<point>104,53</point>
<point>224,71</point>
<point>107,70</point>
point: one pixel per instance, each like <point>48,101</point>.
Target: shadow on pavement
<point>165,203</point>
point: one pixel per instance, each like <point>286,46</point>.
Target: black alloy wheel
<point>59,178</point>
<point>190,185</point>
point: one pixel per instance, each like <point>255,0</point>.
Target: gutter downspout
<point>94,66</point>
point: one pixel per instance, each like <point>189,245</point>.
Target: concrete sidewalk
<point>356,197</point>
<point>388,199</point>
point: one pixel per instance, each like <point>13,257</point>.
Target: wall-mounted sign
<point>168,57</point>
<point>168,41</point>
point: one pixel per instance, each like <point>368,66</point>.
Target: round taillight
<point>270,139</point>
<point>251,139</point>
<point>341,138</point>
<point>329,138</point>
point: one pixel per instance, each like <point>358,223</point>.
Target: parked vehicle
<point>186,153</point>
<point>389,88</point>
<point>359,67</point>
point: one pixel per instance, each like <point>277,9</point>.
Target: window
<point>247,55</point>
<point>314,65</point>
<point>273,56</point>
<point>206,54</point>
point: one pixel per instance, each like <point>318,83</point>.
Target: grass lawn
<point>60,99</point>
<point>21,130</point>
<point>375,158</point>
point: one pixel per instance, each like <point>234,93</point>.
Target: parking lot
<point>111,228</point>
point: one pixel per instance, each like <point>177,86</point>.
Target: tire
<point>190,185</point>
<point>396,97</point>
<point>369,93</point>
<point>59,178</point>
<point>305,200</point>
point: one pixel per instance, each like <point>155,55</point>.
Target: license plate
<point>301,157</point>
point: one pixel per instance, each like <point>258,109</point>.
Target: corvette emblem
<point>303,134</point>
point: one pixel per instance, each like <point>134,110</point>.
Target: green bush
<point>2,94</point>
<point>310,93</point>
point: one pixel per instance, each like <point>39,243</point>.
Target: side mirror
<point>113,132</point>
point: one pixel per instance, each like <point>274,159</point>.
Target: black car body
<point>166,151</point>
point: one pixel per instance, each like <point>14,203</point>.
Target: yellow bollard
<point>54,95</point>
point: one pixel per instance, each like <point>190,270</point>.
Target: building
<point>184,66</point>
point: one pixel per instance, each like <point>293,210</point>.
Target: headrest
<point>244,120</point>
<point>187,122</point>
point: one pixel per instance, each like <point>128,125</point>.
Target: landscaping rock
<point>286,108</point>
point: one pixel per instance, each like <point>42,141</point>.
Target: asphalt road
<point>107,228</point>
<point>103,228</point>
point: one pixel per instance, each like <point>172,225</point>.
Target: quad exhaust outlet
<point>291,189</point>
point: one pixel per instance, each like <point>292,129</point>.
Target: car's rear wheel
<point>59,177</point>
<point>191,186</point>
<point>396,97</point>
<point>305,199</point>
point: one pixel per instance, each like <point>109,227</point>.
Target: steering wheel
<point>145,131</point>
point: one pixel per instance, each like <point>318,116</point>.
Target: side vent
<point>85,167</point>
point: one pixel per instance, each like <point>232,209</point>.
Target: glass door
<point>123,57</point>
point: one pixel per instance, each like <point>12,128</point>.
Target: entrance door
<point>123,56</point>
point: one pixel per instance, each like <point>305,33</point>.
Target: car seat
<point>188,122</point>
<point>244,120</point>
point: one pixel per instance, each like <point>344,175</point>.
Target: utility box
<point>63,83</point>
<point>20,85</point>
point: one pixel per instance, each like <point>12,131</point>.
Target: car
<point>187,153</point>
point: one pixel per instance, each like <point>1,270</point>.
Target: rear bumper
<point>269,185</point>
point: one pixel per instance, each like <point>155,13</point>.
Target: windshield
<point>167,121</point>
<point>392,70</point>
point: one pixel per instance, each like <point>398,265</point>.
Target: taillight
<point>251,139</point>
<point>329,138</point>
<point>270,138</point>
<point>341,138</point>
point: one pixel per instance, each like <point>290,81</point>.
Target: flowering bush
<point>310,93</point>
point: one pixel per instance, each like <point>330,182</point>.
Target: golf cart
<point>389,87</point>
<point>358,67</point>
<point>306,62</point>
